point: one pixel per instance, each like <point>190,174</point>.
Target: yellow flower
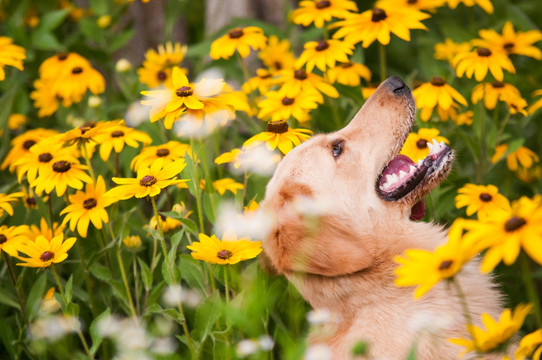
<point>424,268</point>
<point>11,237</point>
<point>294,81</point>
<point>484,200</point>
<point>433,93</point>
<point>531,175</point>
<point>16,120</point>
<point>29,199</point>
<point>511,42</point>
<point>429,5</point>
<point>44,230</point>
<point>49,303</point>
<point>149,181</point>
<point>45,100</point>
<point>104,21</point>
<point>59,175</point>
<point>537,104</point>
<point>42,252</point>
<point>448,49</point>
<point>524,156</point>
<point>481,60</point>
<point>87,133</point>
<point>276,55</point>
<point>493,92</point>
<point>229,250</point>
<point>169,152</point>
<point>232,156</point>
<point>516,104</point>
<point>278,106</point>
<point>6,200</point>
<point>157,66</point>
<point>87,206</point>
<point>169,223</point>
<point>368,90</point>
<point>132,242</point>
<point>378,23</point>
<point>505,233</point>
<point>318,12</point>
<point>497,334</point>
<point>529,344</point>
<point>117,136</point>
<point>262,82</point>
<point>416,145</point>
<point>324,54</point>
<point>240,39</point>
<point>21,145</point>
<point>486,5</point>
<point>280,135</point>
<point>464,118</point>
<point>10,54</point>
<point>349,74</point>
<point>222,185</point>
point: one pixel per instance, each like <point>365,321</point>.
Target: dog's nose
<point>397,85</point>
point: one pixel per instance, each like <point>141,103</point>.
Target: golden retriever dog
<point>339,253</point>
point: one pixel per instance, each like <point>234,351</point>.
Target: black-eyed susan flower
<point>277,106</point>
<point>227,184</point>
<point>156,68</point>
<point>132,242</point>
<point>537,104</point>
<point>118,135</point>
<point>277,55</point>
<point>429,5</point>
<point>417,145</point>
<point>378,24</point>
<point>170,223</point>
<point>481,60</point>
<point>229,250</point>
<point>497,334</point>
<point>45,230</point>
<point>61,174</point>
<point>301,80</point>
<point>279,135</point>
<point>86,133</point>
<point>45,100</point>
<point>531,175</point>
<point>11,238</point>
<point>492,92</point>
<point>169,152</point>
<point>324,54</point>
<point>505,233</point>
<point>349,74</point>
<point>29,198</point>
<point>318,12</point>
<point>21,145</point>
<point>230,157</point>
<point>425,268</point>
<point>464,118</point>
<point>436,93</point>
<point>486,5</point>
<point>87,206</point>
<point>149,181</point>
<point>510,41</point>
<point>522,156</point>
<point>530,345</point>
<point>516,104</point>
<point>448,49</point>
<point>10,54</point>
<point>480,199</point>
<point>15,121</point>
<point>42,252</point>
<point>368,90</point>
<point>240,39</point>
<point>263,80</point>
<point>6,201</point>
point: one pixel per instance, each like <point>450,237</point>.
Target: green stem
<point>197,189</point>
<point>125,281</point>
<point>226,285</point>
<point>136,280</point>
<point>244,67</point>
<point>89,164</point>
<point>61,289</point>
<point>382,58</point>
<point>19,297</point>
<point>530,287</point>
<point>92,303</point>
<point>51,216</point>
<point>465,309</point>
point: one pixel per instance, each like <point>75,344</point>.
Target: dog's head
<point>365,191</point>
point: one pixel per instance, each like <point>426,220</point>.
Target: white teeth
<point>420,162</point>
<point>402,174</point>
<point>389,178</point>
<point>435,142</point>
<point>430,146</point>
<point>442,144</point>
<point>412,169</point>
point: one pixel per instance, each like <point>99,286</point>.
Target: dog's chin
<point>407,182</point>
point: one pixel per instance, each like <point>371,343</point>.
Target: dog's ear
<point>325,245</point>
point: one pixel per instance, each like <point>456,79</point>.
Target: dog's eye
<point>337,148</point>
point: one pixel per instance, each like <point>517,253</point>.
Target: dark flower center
<point>378,15</point>
<point>484,52</point>
<point>162,152</point>
<point>438,81</point>
<point>28,144</point>
<point>31,201</point>
<point>287,101</point>
<point>322,45</point>
<point>90,203</point>
<point>514,223</point>
<point>161,75</point>
<point>236,33</point>
<point>508,46</point>
<point>278,65</point>
<point>421,144</point>
<point>61,166</point>
<point>277,127</point>
<point>497,84</point>
<point>86,127</point>
<point>264,76</point>
<point>224,254</point>
<point>412,2</point>
<point>45,157</point>
<point>322,4</point>
<point>117,133</point>
<point>346,65</point>
<point>445,265</point>
<point>62,56</point>
<point>300,74</point>
<point>184,91</point>
<point>77,70</point>
<point>147,180</point>
<point>485,197</point>
<point>3,239</point>
<point>46,256</point>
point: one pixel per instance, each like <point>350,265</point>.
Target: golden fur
<point>341,258</point>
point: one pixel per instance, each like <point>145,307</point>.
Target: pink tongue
<point>418,210</point>
<point>400,162</point>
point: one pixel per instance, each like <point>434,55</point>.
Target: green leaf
<point>35,296</point>
<point>514,145</point>
<point>146,274</point>
<point>72,309</point>
<point>190,226</point>
<point>8,300</point>
<point>100,272</point>
<point>8,340</point>
<point>45,40</point>
<point>191,272</point>
<point>68,289</point>
<point>166,274</point>
<point>120,40</point>
<point>90,29</point>
<point>94,333</point>
<point>52,19</point>
<point>207,314</point>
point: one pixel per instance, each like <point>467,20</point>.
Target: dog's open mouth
<point>402,176</point>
